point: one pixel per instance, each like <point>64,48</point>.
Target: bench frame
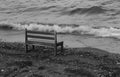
<point>55,43</point>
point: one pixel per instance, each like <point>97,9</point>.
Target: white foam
<point>103,32</point>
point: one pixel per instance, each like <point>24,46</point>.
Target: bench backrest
<point>40,35</point>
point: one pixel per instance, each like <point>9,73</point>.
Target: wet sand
<point>70,41</point>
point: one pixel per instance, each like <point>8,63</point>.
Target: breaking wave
<point>92,10</point>
<point>66,28</point>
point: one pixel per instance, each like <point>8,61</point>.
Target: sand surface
<point>70,41</point>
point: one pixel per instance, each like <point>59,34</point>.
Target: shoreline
<point>70,41</point>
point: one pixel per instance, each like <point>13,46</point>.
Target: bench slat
<point>40,43</point>
<point>41,37</point>
<point>39,32</point>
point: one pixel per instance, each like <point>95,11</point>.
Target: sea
<point>94,23</point>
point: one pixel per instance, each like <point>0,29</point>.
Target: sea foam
<point>65,28</point>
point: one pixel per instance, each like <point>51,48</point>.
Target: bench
<point>38,38</point>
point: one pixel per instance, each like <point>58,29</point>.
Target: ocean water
<point>94,23</point>
<point>95,17</point>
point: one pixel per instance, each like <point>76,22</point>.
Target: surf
<point>64,28</point>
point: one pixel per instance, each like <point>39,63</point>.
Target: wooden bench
<point>50,40</point>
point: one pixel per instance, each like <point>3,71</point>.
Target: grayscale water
<point>96,22</point>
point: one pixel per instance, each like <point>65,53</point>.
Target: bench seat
<point>49,44</point>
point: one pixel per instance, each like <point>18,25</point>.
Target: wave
<point>65,28</point>
<point>91,10</point>
<point>33,9</point>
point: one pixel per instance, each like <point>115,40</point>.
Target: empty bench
<point>38,38</point>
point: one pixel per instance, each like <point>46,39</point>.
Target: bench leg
<point>26,48</point>
<point>62,48</point>
<point>55,50</point>
<point>33,47</point>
